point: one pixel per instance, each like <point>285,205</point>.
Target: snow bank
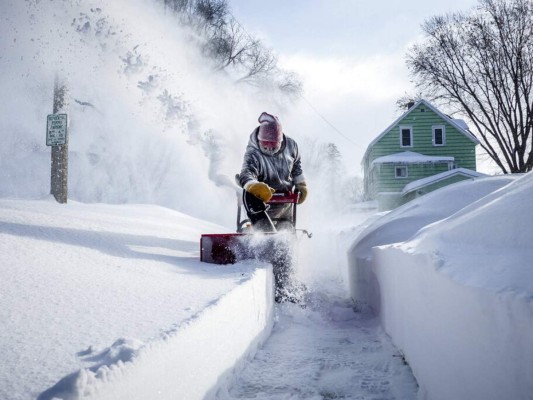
<point>462,342</point>
<point>93,294</point>
<point>456,296</point>
<point>192,362</point>
<point>488,243</point>
<point>402,223</point>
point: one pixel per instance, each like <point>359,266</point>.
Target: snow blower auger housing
<point>247,243</point>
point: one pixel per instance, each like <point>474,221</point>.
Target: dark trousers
<point>278,250</point>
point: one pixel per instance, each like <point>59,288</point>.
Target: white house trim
<point>434,141</point>
<point>415,185</point>
<point>401,175</point>
<point>404,128</point>
<point>410,157</point>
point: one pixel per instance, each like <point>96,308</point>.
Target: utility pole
<point>57,137</point>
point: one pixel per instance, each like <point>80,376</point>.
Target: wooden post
<point>59,175</point>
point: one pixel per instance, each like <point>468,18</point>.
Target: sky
<point>350,56</point>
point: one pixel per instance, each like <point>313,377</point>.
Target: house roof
<point>410,157</point>
<point>415,185</point>
<point>459,124</point>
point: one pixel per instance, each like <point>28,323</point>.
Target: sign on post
<point>56,130</point>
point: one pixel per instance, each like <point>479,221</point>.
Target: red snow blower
<point>247,243</point>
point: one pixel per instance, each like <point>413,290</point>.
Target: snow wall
<point>448,274</point>
<point>461,342</point>
<point>231,329</point>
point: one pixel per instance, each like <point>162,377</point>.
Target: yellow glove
<point>261,191</point>
<point>302,187</point>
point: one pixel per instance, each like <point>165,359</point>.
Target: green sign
<point>56,130</point>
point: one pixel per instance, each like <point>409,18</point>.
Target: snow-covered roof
<point>459,124</point>
<point>410,157</point>
<point>439,177</point>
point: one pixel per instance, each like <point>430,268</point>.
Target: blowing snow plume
<point>149,121</point>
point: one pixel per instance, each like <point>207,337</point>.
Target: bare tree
<point>231,48</point>
<point>178,6</point>
<point>289,83</point>
<point>353,189</point>
<point>230,45</point>
<point>211,15</point>
<point>234,47</point>
<point>258,61</point>
<point>333,157</point>
<point>407,99</point>
<point>481,64</point>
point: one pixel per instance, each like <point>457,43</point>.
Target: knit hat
<point>270,130</point>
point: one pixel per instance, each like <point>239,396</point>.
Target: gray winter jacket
<point>281,171</point>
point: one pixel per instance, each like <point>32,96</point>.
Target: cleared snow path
<point>326,351</point>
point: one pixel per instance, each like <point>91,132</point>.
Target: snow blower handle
<point>284,198</point>
<point>290,198</point>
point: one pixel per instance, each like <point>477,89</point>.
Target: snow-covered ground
<point>111,302</point>
<point>450,276</point>
<point>325,351</point>
<point>86,288</point>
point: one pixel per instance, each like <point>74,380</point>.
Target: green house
<point>421,151</point>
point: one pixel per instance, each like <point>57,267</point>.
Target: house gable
<point>425,121</point>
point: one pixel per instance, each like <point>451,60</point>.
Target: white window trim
<point>443,135</point>
<point>403,167</point>
<point>402,127</point>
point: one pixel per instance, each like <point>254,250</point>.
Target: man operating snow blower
<point>272,166</point>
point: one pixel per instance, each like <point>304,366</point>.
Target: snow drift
<point>192,361</point>
<point>111,301</point>
<point>456,296</point>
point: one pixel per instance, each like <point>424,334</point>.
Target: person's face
<point>268,147</point>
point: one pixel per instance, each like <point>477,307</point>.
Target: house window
<point>400,172</point>
<point>439,135</point>
<point>406,136</point>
